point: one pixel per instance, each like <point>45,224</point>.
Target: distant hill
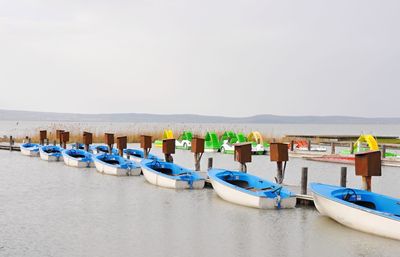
<point>188,118</point>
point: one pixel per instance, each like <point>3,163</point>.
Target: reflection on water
<point>49,209</point>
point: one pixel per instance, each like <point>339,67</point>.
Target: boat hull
<point>115,170</point>
<point>357,219</point>
<point>241,198</point>
<point>164,181</point>
<point>30,152</point>
<point>74,162</point>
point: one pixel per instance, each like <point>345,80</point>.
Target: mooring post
<point>368,164</point>
<point>279,173</point>
<point>292,145</point>
<point>210,163</point>
<point>304,179</point>
<point>11,143</point>
<point>168,148</point>
<point>197,150</point>
<point>279,154</point>
<point>333,148</point>
<point>309,145</point>
<point>383,151</point>
<point>343,176</point>
<point>351,148</point>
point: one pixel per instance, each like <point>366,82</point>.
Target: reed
<point>133,136</point>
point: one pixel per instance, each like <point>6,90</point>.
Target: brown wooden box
<point>122,142</point>
<point>87,138</point>
<point>58,133</point>
<point>168,146</point>
<point>197,145</point>
<point>43,135</point>
<point>368,164</point>
<point>279,152</point>
<point>65,136</point>
<point>145,142</point>
<point>109,138</point>
<point>243,152</point>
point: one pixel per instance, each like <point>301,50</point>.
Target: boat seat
<point>113,162</point>
<point>77,155</point>
<point>369,205</point>
<point>258,189</point>
<point>239,183</point>
<point>163,170</point>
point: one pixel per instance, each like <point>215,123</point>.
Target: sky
<point>210,57</point>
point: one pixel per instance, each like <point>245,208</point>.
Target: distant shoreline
<point>11,115</point>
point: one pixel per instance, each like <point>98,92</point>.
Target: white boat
<point>30,149</point>
<point>78,158</point>
<point>251,191</point>
<point>112,164</point>
<point>51,153</point>
<point>170,175</point>
<point>359,209</point>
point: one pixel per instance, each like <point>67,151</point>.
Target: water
<point>49,209</point>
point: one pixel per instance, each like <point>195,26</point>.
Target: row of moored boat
<point>358,209</point>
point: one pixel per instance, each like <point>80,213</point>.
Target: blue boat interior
<point>250,183</point>
<point>369,200</point>
<point>139,153</point>
<point>51,149</point>
<point>77,153</point>
<point>113,159</point>
<point>30,145</point>
<point>173,170</point>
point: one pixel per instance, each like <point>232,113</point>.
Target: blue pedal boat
<point>30,149</point>
<point>249,190</point>
<point>113,164</point>
<point>78,158</point>
<point>51,153</point>
<point>170,175</point>
<point>359,209</point>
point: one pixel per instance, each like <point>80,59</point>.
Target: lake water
<point>49,209</point>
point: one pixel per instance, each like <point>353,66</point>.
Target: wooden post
<point>11,143</point>
<point>343,176</point>
<point>279,172</point>
<point>383,151</point>
<point>309,145</point>
<point>197,158</point>
<point>304,178</point>
<point>366,183</point>
<point>168,148</point>
<point>368,164</point>
<point>242,155</point>
<point>292,145</point>
<point>197,149</point>
<point>333,148</point>
<point>210,163</point>
<point>145,144</point>
<point>279,154</point>
<point>351,148</point>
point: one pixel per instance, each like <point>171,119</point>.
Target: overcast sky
<point>233,58</point>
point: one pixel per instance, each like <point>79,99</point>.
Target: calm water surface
<point>49,209</point>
